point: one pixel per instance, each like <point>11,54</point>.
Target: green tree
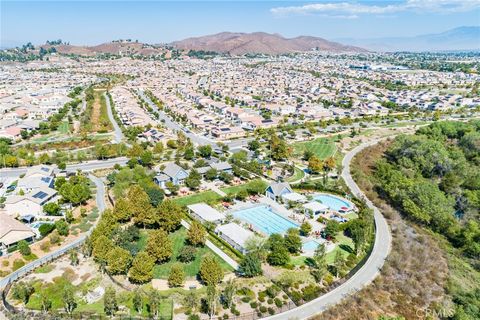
<point>51,209</point>
<point>250,265</point>
<point>293,241</point>
<point>101,249</point>
<point>119,260</point>
<point>319,265</point>
<point>193,180</point>
<point>154,300</point>
<point>210,272</point>
<point>211,300</point>
<point>176,278</point>
<point>137,301</point>
<point>315,164</point>
<point>68,298</point>
<point>159,246</point>
<point>196,234</point>
<point>142,211</point>
<point>229,293</point>
<point>24,248</point>
<point>142,268</point>
<point>211,174</point>
<point>169,215</point>
<point>110,304</point>
<point>305,228</point>
<point>205,151</point>
<point>62,227</point>
<point>278,255</point>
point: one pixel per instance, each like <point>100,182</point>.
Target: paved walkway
<point>367,273</point>
<point>118,134</point>
<point>216,249</point>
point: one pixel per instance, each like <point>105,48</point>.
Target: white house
<point>13,231</point>
<point>30,204</point>
<point>234,235</point>
<point>204,213</point>
<point>278,189</point>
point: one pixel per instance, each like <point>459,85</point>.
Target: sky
<point>93,22</point>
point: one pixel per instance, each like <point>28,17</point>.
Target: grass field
<point>162,271</point>
<point>321,147</point>
<point>235,189</point>
<point>64,127</point>
<point>207,196</point>
<point>95,118</point>
<point>297,175</point>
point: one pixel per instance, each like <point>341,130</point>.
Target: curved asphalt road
<point>368,272</point>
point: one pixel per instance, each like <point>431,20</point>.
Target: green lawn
<point>207,196</point>
<point>344,244</point>
<point>321,147</point>
<point>235,189</point>
<point>297,175</point>
<point>161,271</point>
<point>64,127</point>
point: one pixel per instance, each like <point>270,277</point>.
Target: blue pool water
<point>333,202</point>
<point>310,245</point>
<point>266,220</point>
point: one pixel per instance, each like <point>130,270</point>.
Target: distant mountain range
<point>260,42</point>
<point>458,39</point>
<point>115,47</point>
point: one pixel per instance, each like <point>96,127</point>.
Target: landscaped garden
<point>320,147</point>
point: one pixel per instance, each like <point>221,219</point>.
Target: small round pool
<point>310,245</point>
<point>334,203</point>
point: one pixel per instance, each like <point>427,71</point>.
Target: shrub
<point>193,317</point>
<point>262,295</point>
<point>296,296</point>
<point>285,297</point>
<point>263,309</point>
<point>187,254</point>
<point>246,299</point>
<point>278,302</point>
<point>271,311</point>
<point>17,264</point>
<point>310,292</point>
<point>54,238</point>
<point>46,228</point>
<point>45,246</point>
<point>253,304</point>
<point>272,291</point>
<point>5,263</point>
<point>270,301</point>
<point>24,248</point>
<point>225,316</point>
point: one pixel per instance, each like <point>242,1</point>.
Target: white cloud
<point>352,9</point>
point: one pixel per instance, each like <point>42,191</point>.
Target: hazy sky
<point>93,22</point>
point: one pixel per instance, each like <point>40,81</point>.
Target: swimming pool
<point>265,219</point>
<point>310,245</point>
<point>333,202</point>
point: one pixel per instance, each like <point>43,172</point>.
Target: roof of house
<point>206,212</point>
<point>172,169</point>
<point>12,231</point>
<point>293,196</point>
<point>34,182</point>
<point>41,169</point>
<point>223,165</point>
<point>235,232</point>
<point>315,206</point>
<point>277,187</point>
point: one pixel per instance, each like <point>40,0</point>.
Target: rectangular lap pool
<point>265,219</point>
